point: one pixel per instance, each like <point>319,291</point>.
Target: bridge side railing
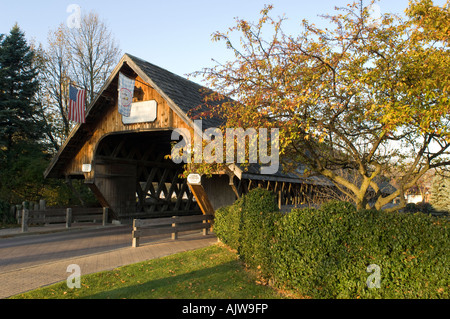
<point>171,225</point>
<point>61,215</point>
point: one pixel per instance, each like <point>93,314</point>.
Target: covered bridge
<point>123,160</point>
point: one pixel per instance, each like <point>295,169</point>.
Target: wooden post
<point>135,242</point>
<point>289,197</point>
<point>68,217</point>
<point>105,216</point>
<point>12,211</point>
<point>25,220</point>
<point>279,199</point>
<point>42,204</point>
<point>18,213</point>
<point>175,233</point>
<point>205,230</point>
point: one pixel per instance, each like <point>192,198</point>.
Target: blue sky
<point>173,34</point>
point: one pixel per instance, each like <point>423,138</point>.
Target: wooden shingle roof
<point>187,95</point>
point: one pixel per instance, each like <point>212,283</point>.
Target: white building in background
<point>413,199</point>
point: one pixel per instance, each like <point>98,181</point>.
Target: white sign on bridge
<point>194,179</point>
<point>141,112</point>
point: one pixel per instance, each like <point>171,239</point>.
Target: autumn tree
<point>363,96</point>
<point>54,65</point>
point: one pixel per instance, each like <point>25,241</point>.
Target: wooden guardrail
<point>62,215</point>
<point>171,225</point>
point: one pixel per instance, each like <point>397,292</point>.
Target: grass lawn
<point>212,272</point>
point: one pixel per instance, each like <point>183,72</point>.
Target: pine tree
<point>20,129</point>
<point>18,89</point>
<point>440,193</point>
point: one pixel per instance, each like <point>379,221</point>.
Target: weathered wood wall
<point>111,122</point>
<point>114,181</point>
<point>219,191</point>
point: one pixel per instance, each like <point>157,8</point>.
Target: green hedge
<point>247,222</point>
<point>256,228</point>
<point>324,253</point>
<point>227,224</point>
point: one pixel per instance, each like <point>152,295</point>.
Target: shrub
<point>425,208</point>
<point>334,246</point>
<point>226,225</point>
<point>247,226</point>
<point>324,253</point>
<point>5,216</point>
<point>256,227</point>
<point>410,208</point>
<point>308,247</point>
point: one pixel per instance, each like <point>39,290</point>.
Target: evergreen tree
<point>23,150</point>
<point>18,90</point>
<point>440,193</point>
<point>20,128</point>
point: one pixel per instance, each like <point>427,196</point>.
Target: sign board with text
<point>141,112</point>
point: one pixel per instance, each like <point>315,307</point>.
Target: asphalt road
<point>31,250</point>
<point>29,261</point>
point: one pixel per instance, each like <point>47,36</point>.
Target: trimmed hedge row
<point>325,253</point>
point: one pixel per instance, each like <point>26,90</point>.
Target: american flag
<point>76,104</point>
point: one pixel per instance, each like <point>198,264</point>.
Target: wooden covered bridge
<point>124,159</point>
